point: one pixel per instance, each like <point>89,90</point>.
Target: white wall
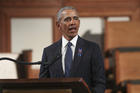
<point>31,33</point>
<point>94,24</point>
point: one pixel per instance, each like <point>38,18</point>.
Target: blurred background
<point>28,26</point>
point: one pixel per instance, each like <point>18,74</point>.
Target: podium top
<point>78,85</point>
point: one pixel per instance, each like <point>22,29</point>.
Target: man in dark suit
<point>74,56</point>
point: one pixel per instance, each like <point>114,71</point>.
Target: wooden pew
<point>127,66</point>
<point>122,34</point>
<point>133,88</point>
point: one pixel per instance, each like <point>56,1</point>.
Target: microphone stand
<point>21,62</point>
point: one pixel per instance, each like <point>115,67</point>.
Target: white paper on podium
<point>8,68</point>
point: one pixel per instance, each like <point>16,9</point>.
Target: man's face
<point>69,24</point>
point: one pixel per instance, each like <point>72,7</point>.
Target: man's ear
<point>58,25</point>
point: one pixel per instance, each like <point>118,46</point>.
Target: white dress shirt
<point>64,48</point>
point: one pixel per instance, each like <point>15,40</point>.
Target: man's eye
<point>75,17</point>
<point>67,19</point>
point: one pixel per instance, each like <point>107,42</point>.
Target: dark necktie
<point>68,59</point>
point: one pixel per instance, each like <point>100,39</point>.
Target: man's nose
<point>72,21</point>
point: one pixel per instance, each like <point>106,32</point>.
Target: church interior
<point>27,26</point>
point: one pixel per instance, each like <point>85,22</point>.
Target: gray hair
<point>62,9</point>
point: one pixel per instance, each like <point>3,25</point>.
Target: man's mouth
<point>72,28</point>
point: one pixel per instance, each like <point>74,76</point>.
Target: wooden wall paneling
<point>4,33</point>
<point>106,59</point>
<point>105,37</point>
<point>56,34</point>
<point>30,3</point>
<point>8,33</point>
<point>102,3</point>
<point>30,12</point>
<point>105,12</point>
<point>136,15</point>
<point>1,32</point>
<point>103,7</point>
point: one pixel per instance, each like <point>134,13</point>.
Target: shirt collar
<point>73,41</point>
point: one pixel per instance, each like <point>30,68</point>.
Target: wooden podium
<point>48,85</point>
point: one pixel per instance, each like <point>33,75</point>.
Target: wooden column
<point>4,33</point>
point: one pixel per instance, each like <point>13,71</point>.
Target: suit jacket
<point>88,64</point>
